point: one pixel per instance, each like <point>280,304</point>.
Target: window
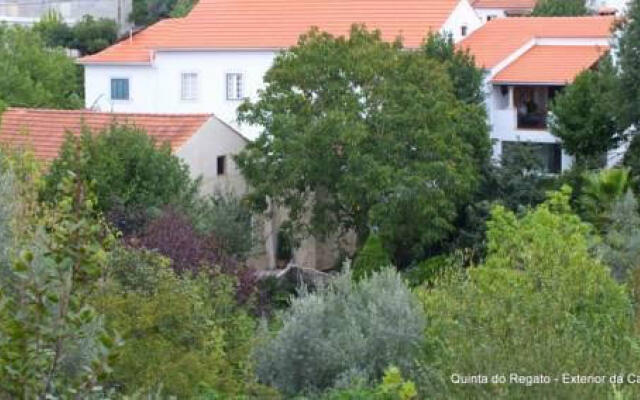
<point>532,106</point>
<point>189,86</point>
<point>463,30</point>
<point>490,17</point>
<point>221,161</point>
<point>119,89</point>
<point>235,87</point>
<point>548,154</point>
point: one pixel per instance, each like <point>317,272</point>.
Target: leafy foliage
<point>147,12</point>
<point>467,79</point>
<point>372,257</point>
<point>540,302</point>
<point>620,247</point>
<point>133,175</point>
<point>182,336</point>
<point>629,62</point>
<point>88,36</point>
<point>632,162</point>
<point>560,8</point>
<point>91,35</point>
<point>173,235</point>
<point>356,135</point>
<point>34,75</point>
<point>342,333</point>
<point>585,114</point>
<point>52,343</point>
<point>227,218</point>
<point>600,191</point>
<point>392,387</point>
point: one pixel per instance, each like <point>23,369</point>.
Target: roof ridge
<point>93,112</point>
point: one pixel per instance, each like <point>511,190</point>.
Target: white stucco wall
<point>484,13</point>
<point>156,88</point>
<point>462,15</point>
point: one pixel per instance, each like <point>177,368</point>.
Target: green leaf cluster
<point>540,303</point>
<point>132,174</point>
<point>34,75</point>
<point>183,336</point>
<point>560,8</point>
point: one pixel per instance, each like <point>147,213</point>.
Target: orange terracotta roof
<point>276,24</point>
<point>44,130</point>
<point>550,64</point>
<point>505,4</point>
<point>498,38</point>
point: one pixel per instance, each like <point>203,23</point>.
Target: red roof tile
<point>499,38</point>
<point>506,4</point>
<point>44,130</point>
<point>550,64</point>
<point>276,24</point>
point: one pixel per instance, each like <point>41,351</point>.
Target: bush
<point>184,336</point>
<point>133,176</point>
<point>392,387</point>
<point>539,304</point>
<point>91,35</point>
<point>173,235</point>
<point>226,218</point>
<point>620,247</point>
<point>343,332</point>
<point>372,257</point>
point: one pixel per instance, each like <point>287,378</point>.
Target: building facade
<point>536,59</point>
<point>194,64</point>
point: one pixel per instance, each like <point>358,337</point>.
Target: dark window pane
<point>549,154</point>
<point>120,89</point>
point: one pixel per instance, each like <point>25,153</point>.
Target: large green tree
<point>358,132</point>
<point>585,115</point>
<point>629,61</point>
<point>34,75</point>
<point>560,8</point>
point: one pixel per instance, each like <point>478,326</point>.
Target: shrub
<point>131,172</point>
<point>620,247</point>
<point>392,387</point>
<point>173,235</point>
<point>539,304</point>
<point>225,217</point>
<point>343,332</point>
<point>184,336</point>
<point>371,258</point>
<point>52,342</point>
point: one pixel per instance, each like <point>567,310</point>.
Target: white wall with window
<point>216,82</point>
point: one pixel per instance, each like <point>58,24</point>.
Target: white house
<point>217,56</point>
<point>528,60</point>
<point>492,9</point>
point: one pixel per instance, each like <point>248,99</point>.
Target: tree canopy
<point>360,133</point>
<point>34,75</point>
<point>133,175</point>
<point>560,8</point>
<point>585,114</point>
<point>629,62</point>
